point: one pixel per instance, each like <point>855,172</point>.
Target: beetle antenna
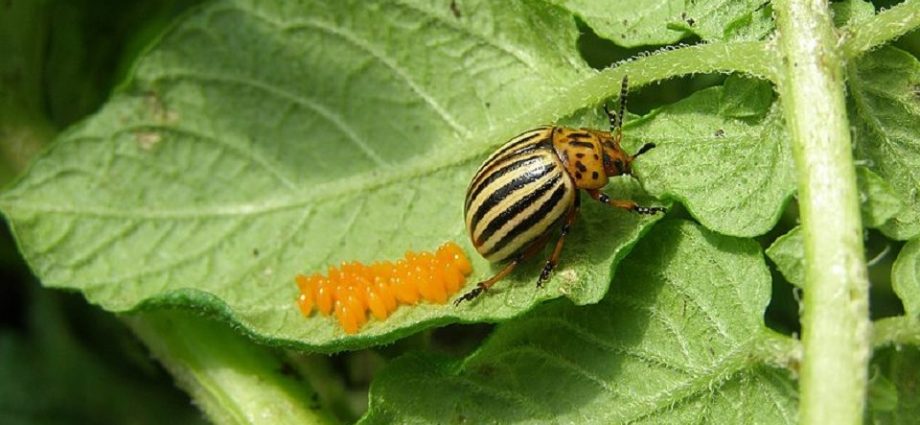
<point>612,117</point>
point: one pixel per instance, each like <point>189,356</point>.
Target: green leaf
<point>258,140</point>
<point>643,23</point>
<point>679,339</point>
<point>788,253</point>
<point>56,374</point>
<point>733,174</point>
<point>885,110</point>
<point>905,277</point>
<point>894,396</point>
<point>630,24</point>
<point>745,97</point>
<point>883,394</point>
<point>878,200</point>
<point>851,12</point>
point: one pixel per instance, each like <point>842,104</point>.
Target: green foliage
<point>81,381</point>
<point>631,24</point>
<point>879,204</point>
<point>231,209</point>
<point>885,109</point>
<point>896,399</point>
<point>249,141</point>
<point>905,278</point>
<point>666,346</point>
<point>742,197</point>
<point>788,254</point>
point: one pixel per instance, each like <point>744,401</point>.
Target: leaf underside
<point>259,140</point>
<point>885,110</point>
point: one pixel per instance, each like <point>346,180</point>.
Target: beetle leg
<point>622,203</point>
<point>554,258</point>
<point>483,286</point>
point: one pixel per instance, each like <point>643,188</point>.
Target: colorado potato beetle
<point>532,183</point>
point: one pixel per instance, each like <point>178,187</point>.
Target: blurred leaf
<point>51,376</point>
<point>232,380</point>
<point>24,129</point>
<point>851,11</point>
<point>257,140</point>
<point>894,396</point>
<point>905,277</point>
<point>733,175</point>
<point>883,394</point>
<point>885,109</point>
<point>878,200</point>
<point>787,252</point>
<point>90,45</point>
<point>679,339</point>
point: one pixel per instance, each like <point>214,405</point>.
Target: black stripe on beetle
<point>510,214</point>
<point>582,144</point>
<point>509,189</point>
<point>501,172</point>
<point>530,221</point>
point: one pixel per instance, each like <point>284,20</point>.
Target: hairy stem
<point>896,330</point>
<point>882,28</point>
<point>233,380</point>
<point>753,58</point>
<point>835,322</point>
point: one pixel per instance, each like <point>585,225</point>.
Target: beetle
<point>532,183</point>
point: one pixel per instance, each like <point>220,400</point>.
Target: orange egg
<point>385,291</point>
<point>346,318</point>
<point>453,278</point>
<point>324,296</point>
<point>305,302</point>
<point>430,279</point>
<point>459,258</point>
<point>376,305</point>
<point>353,289</point>
<point>335,274</point>
<point>421,278</point>
<point>404,287</point>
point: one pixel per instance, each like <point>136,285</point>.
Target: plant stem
<point>233,380</point>
<point>753,57</point>
<point>882,28</point>
<point>896,330</point>
<point>835,322</point>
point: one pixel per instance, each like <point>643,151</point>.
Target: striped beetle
<point>531,184</point>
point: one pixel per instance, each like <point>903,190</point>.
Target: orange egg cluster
<point>353,289</point>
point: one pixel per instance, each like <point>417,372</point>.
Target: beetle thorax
<point>582,154</point>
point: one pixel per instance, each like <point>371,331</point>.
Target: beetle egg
<point>354,291</point>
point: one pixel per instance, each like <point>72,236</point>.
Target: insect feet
<point>648,210</point>
<point>469,296</point>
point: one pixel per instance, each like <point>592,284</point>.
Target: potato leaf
<point>733,174</point>
<point>680,338</point>
<point>257,140</point>
<point>885,110</point>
